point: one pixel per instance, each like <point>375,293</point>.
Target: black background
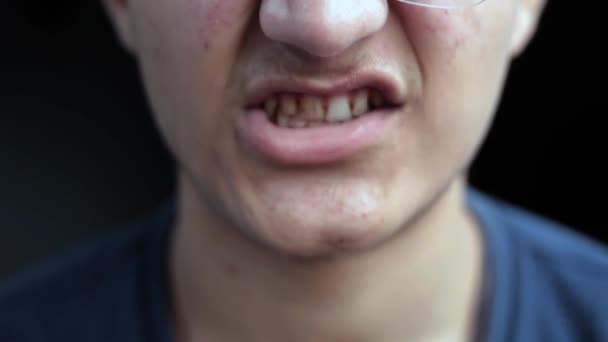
<point>79,152</point>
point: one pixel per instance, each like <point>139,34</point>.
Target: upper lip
<point>263,89</point>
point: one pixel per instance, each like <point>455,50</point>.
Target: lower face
<point>199,60</point>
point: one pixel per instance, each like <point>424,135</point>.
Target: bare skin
<point>431,294</point>
<point>377,246</point>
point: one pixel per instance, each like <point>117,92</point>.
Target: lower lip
<point>314,145</point>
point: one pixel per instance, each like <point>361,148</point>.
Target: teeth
<point>338,109</point>
<point>294,111</point>
<point>288,105</point>
<point>361,103</point>
<point>312,108</point>
<point>316,124</point>
<point>271,106</point>
<point>282,120</point>
<point>296,123</point>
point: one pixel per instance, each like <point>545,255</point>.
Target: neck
<point>229,288</point>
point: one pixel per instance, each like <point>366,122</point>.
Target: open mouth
<point>314,122</point>
<point>296,111</point>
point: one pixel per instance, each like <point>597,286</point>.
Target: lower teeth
<point>298,123</point>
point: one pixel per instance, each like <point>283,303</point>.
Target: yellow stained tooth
<point>338,109</point>
<point>287,105</point>
<point>311,108</point>
<point>297,123</point>
<point>316,124</point>
<point>270,106</point>
<point>282,120</point>
<point>361,102</point>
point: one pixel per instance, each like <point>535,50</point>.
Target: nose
<point>322,28</point>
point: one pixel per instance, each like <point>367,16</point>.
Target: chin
<point>305,216</point>
<point>300,232</point>
<point>324,241</point>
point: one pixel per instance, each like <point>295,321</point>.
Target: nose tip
<point>322,28</point>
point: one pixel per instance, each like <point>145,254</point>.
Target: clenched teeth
<point>361,103</point>
<point>338,109</point>
<point>298,111</point>
<point>287,105</point>
<point>311,108</point>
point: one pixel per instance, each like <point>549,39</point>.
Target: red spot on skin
<point>453,28</point>
<point>217,16</point>
<point>472,19</point>
<point>230,269</point>
<point>457,43</point>
<point>439,23</point>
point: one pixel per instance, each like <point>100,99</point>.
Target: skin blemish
<point>230,269</point>
<point>471,17</point>
<point>219,16</point>
<point>438,24</point>
<point>453,28</point>
<point>215,15</point>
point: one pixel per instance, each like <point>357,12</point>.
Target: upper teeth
<point>291,109</point>
<point>338,109</point>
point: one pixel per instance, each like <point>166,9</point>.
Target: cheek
<point>219,17</point>
<point>447,31</point>
<point>452,30</point>
<point>462,59</point>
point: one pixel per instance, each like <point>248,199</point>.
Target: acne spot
<point>453,28</point>
<point>214,15</point>
<point>230,269</point>
<point>457,43</point>
<point>472,19</point>
<point>217,16</point>
<point>438,24</point>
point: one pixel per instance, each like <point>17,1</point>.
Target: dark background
<point>79,153</point>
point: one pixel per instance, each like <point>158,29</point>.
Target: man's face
<point>223,77</point>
